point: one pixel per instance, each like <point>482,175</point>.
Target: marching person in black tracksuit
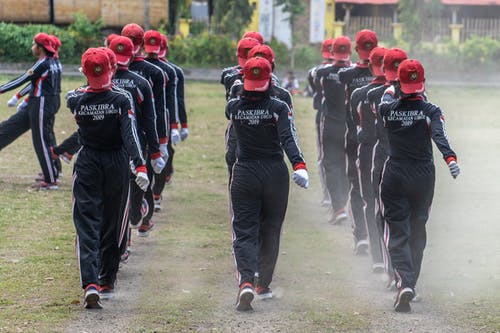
<point>180,116</point>
<point>158,80</point>
<point>260,183</point>
<point>392,58</point>
<point>228,77</point>
<point>57,68</point>
<point>326,53</point>
<point>152,47</point>
<point>107,132</point>
<point>156,77</point>
<point>407,185</point>
<point>356,77</point>
<point>38,115</point>
<point>364,120</point>
<point>275,90</point>
<point>333,126</point>
<point>143,100</point>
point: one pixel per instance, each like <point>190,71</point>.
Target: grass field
<point>187,280</point>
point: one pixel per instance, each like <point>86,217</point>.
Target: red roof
<point>446,2</point>
<point>369,2</point>
<point>472,2</point>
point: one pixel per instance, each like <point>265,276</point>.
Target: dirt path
<point>320,286</point>
<point>365,295</point>
<point>118,312</point>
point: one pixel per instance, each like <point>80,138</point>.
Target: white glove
<point>164,151</point>
<point>184,133</point>
<point>175,136</point>
<point>454,169</point>
<point>22,105</point>
<point>141,179</point>
<point>12,101</point>
<point>301,178</point>
<point>158,164</point>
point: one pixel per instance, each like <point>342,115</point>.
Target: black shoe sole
<point>92,301</point>
<point>404,302</point>
<point>245,301</point>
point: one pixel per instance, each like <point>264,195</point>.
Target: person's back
<point>259,129</point>
<point>408,179</point>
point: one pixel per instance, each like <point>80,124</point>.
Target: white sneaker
<point>378,267</point>
<point>157,202</point>
<point>92,299</point>
<point>263,293</point>
<point>245,297</point>
<point>403,299</point>
<point>361,247</point>
<point>417,298</point>
<point>339,216</point>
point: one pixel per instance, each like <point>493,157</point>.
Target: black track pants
<point>379,159</point>
<point>148,195</point>
<point>231,145</point>
<point>259,195</point>
<point>355,200</point>
<point>38,116</point>
<point>70,145</point>
<point>14,127</point>
<point>52,135</point>
<point>320,122</point>
<point>407,190</point>
<point>100,190</point>
<point>42,111</point>
<point>334,161</point>
<point>161,178</point>
<point>365,152</point>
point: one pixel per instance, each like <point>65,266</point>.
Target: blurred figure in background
<point>291,83</point>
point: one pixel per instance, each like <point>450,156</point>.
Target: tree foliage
<point>232,16</point>
<point>292,7</point>
<point>416,15</point>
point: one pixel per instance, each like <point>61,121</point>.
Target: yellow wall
<point>329,18</point>
<point>254,23</point>
<point>113,12</point>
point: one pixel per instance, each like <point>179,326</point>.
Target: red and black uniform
<point>407,185</point>
<point>314,82</point>
<point>364,120</point>
<point>354,77</point>
<point>180,115</point>
<point>172,106</point>
<point>227,80</point>
<point>45,77</point>
<point>236,90</point>
<point>107,132</point>
<point>156,78</point>
<point>143,101</point>
<point>379,155</point>
<point>332,133</point>
<point>260,182</point>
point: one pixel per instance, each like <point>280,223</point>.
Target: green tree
<point>231,16</point>
<point>416,16</point>
<point>294,8</point>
